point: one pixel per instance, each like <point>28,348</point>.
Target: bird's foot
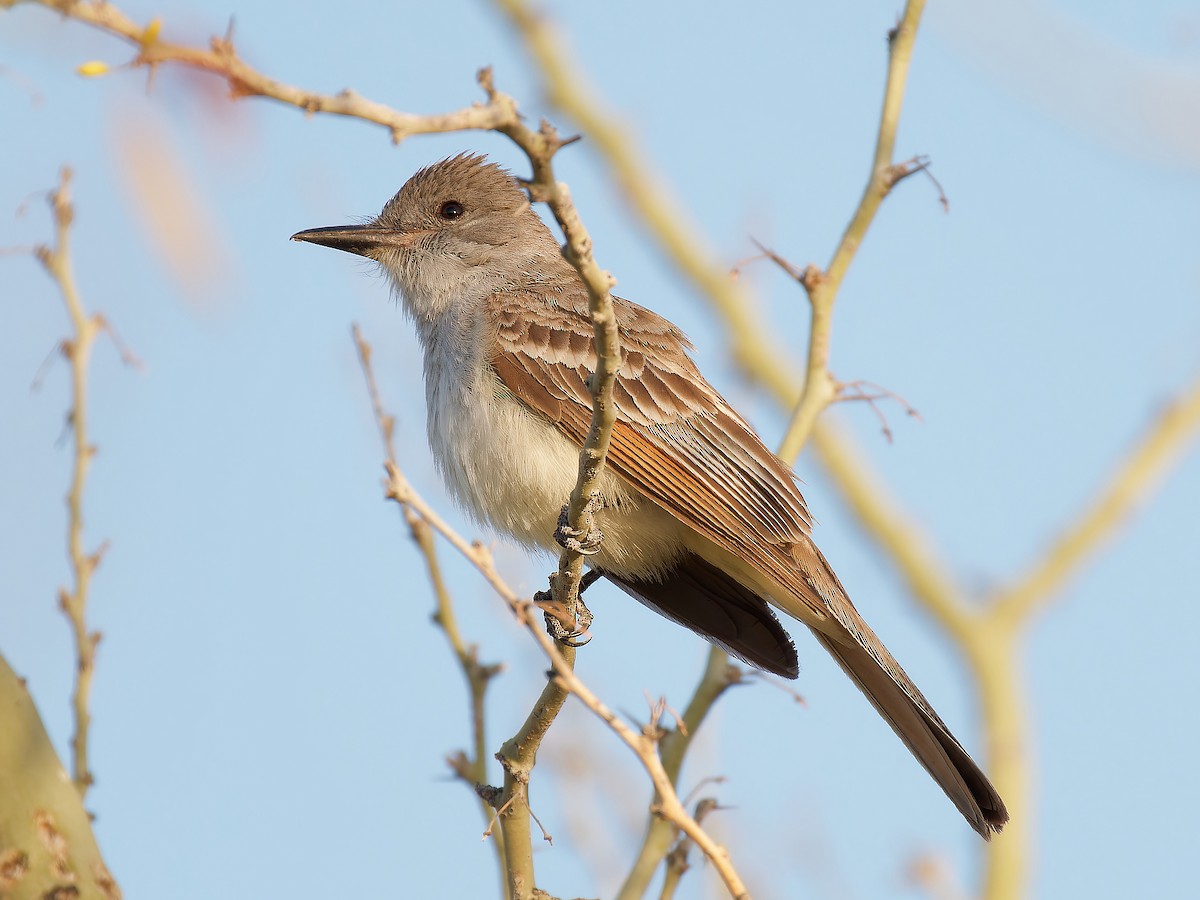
<point>571,631</point>
<point>585,542</point>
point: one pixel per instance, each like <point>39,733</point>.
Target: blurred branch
<point>993,645</point>
<point>894,531</point>
<point>644,744</point>
<point>472,769</point>
<point>1135,478</point>
<point>677,859</point>
<point>932,875</point>
<point>989,636</point>
<point>77,349</point>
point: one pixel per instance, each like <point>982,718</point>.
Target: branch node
<point>489,794</point>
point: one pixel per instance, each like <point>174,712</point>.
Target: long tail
<point>912,718</point>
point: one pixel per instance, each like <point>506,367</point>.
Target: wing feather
<point>676,439</point>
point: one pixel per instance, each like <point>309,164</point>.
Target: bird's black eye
<point>451,210</point>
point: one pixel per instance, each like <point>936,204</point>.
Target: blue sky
<point>270,692</point>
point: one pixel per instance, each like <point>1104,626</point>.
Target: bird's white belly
<point>512,470</point>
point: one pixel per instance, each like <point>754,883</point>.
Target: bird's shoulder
<point>545,332</point>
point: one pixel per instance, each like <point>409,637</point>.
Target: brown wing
<point>676,438</point>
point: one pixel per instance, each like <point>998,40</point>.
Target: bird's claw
<point>574,640</point>
<point>584,542</point>
<point>570,635</point>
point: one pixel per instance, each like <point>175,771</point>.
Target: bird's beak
<point>364,240</point>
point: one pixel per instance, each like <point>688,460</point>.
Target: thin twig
<point>719,675</point>
<point>221,59</point>
<point>472,769</point>
<point>540,146</point>
<point>518,755</point>
<point>820,387</point>
<point>857,391</point>
<point>751,343</point>
<point>77,349</point>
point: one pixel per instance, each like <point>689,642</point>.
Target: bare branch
<point>77,349</point>
<point>669,805</point>
<point>1130,484</point>
<point>471,769</point>
<point>820,387</point>
<point>752,346</point>
<point>719,675</point>
<point>221,59</point>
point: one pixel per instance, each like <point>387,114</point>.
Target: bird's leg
<point>560,625</point>
<point>568,623</point>
<point>586,580</point>
<point>585,542</point>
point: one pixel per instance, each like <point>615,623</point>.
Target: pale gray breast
<point>509,468</point>
<point>502,463</point>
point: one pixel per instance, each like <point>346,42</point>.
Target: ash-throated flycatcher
<point>701,522</point>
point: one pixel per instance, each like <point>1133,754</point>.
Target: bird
<point>700,521</point>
